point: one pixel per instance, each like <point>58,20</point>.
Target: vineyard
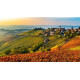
<point>75,42</point>
<point>62,54</point>
<point>35,46</point>
<point>55,56</point>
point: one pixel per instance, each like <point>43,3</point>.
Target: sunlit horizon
<point>41,21</point>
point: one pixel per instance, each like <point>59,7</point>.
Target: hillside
<point>30,40</point>
<point>62,53</point>
<point>55,56</point>
<point>19,40</point>
<point>73,43</point>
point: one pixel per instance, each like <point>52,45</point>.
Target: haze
<point>42,21</point>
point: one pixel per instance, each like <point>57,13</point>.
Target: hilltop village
<point>60,31</point>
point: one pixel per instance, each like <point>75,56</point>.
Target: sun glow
<point>24,21</point>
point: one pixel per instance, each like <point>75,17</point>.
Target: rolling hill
<point>73,43</point>
<point>67,52</point>
<point>29,40</point>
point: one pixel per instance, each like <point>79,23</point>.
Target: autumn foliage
<point>57,54</point>
<point>72,43</point>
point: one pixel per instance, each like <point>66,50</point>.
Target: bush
<point>7,52</point>
<point>19,50</point>
<point>59,36</point>
<point>48,49</point>
<point>25,50</point>
<point>36,47</point>
<point>42,50</point>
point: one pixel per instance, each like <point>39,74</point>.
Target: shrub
<point>48,49</point>
<point>59,36</point>
<point>25,50</point>
<point>42,50</point>
<point>36,47</point>
<point>7,52</point>
<point>19,50</point>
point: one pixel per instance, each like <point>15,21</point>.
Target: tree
<point>48,49</point>
<point>7,52</point>
<point>36,47</point>
<point>19,50</point>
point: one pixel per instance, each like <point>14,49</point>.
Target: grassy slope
<point>62,55</point>
<point>76,48</point>
<point>28,39</point>
<point>53,41</point>
<point>73,43</point>
<point>22,40</point>
<point>32,32</point>
<point>77,45</point>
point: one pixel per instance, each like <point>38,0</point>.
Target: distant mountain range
<point>12,32</point>
<point>11,27</point>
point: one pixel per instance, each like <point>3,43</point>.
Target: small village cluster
<point>61,31</point>
<point>67,33</point>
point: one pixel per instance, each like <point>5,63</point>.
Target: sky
<point>42,21</point>
<point>23,12</point>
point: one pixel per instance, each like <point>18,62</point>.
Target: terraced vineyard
<point>73,43</point>
<point>29,40</point>
<point>26,40</point>
<point>59,54</point>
